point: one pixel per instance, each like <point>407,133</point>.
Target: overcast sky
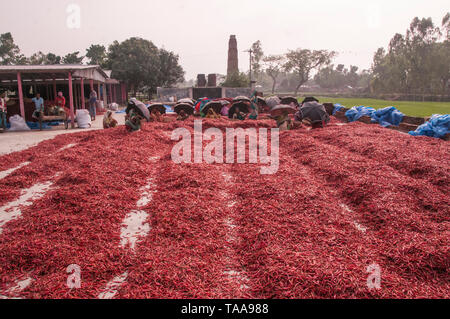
<point>198,30</point>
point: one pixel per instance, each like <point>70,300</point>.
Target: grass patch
<point>420,109</point>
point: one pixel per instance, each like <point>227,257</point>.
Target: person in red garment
<point>61,102</point>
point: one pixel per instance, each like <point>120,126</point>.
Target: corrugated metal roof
<point>47,68</point>
<point>43,72</point>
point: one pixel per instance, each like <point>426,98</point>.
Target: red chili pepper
<point>294,233</point>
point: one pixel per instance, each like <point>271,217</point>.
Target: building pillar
<point>105,94</point>
<point>72,114</point>
<point>19,88</point>
<point>98,93</point>
<point>54,89</point>
<point>83,102</point>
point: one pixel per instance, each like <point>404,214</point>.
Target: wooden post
<point>75,96</point>
<point>105,94</point>
<point>124,94</point>
<point>115,93</point>
<point>19,88</point>
<point>110,93</point>
<point>54,89</point>
<point>83,102</point>
<point>72,114</point>
<point>121,93</point>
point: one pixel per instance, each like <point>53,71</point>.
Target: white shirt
<point>2,104</point>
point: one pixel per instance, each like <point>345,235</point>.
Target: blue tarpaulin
<point>438,126</point>
<point>388,116</point>
<point>356,112</point>
<point>35,125</point>
<point>169,109</point>
<point>337,108</point>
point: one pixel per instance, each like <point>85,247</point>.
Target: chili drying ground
<point>345,197</point>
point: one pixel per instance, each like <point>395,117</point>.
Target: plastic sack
<point>114,107</point>
<point>18,124</point>
<point>83,119</point>
<point>438,126</point>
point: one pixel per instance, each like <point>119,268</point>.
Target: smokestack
<point>201,80</point>
<point>212,80</point>
<point>233,62</point>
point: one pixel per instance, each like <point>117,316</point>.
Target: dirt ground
<point>17,141</point>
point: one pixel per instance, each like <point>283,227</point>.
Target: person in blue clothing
<point>93,105</point>
<point>3,112</point>
<point>39,106</point>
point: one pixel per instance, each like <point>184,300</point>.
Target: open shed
<point>75,81</point>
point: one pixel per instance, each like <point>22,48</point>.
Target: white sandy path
<point>135,224</point>
<point>232,236</point>
<point>19,286</point>
<point>134,227</point>
<point>12,210</point>
<point>66,147</point>
<point>113,287</point>
<point>8,172</point>
<point>18,141</point>
<point>357,225</point>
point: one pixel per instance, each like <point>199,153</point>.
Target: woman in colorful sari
<point>109,121</point>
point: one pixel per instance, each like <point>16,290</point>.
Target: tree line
<point>135,61</point>
<point>415,63</point>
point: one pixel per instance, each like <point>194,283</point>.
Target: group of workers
<point>58,108</point>
<point>309,111</point>
<point>287,116</point>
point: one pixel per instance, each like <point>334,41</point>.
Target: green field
<point>420,109</point>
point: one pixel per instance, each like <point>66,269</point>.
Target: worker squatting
<point>213,153</point>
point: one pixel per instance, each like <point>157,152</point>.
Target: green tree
<point>73,58</point>
<point>144,67</point>
<point>258,55</point>
<point>302,62</point>
<point>96,55</point>
<point>39,58</point>
<point>415,63</point>
<point>339,77</point>
<point>236,80</point>
<point>170,72</point>
<point>9,51</point>
<point>273,65</point>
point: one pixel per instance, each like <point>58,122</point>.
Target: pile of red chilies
<point>344,198</point>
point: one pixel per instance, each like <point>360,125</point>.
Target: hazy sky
<point>198,30</point>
